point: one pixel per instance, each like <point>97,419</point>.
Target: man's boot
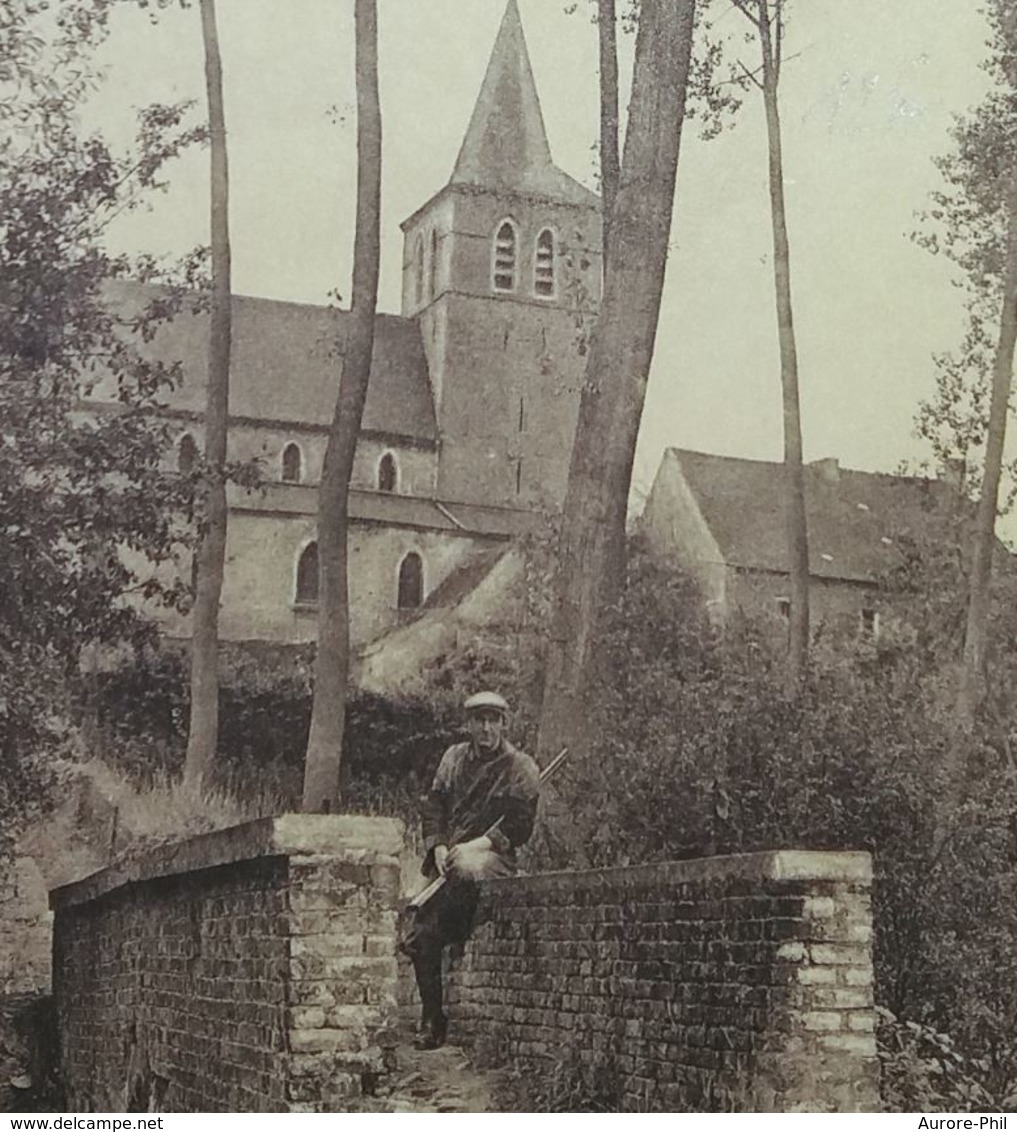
<point>433,1023</point>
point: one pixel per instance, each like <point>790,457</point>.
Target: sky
<point>868,94</point>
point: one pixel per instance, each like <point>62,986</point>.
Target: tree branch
<point>751,75</point>
<point>743,7</point>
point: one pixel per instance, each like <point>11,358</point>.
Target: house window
<point>411,582</point>
<point>292,464</point>
<point>503,271</point>
<point>388,473</point>
<point>784,607</point>
<point>432,281</point>
<point>870,623</point>
<point>418,271</point>
<point>543,265</point>
<point>307,576</point>
<point>187,454</point>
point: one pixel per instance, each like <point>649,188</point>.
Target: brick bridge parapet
<point>249,970</point>
<point>739,983</point>
<point>255,969</point>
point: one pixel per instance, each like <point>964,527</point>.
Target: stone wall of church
<point>417,465</point>
<point>416,468</point>
<point>511,444</point>
<point>259,590</point>
<point>509,366</point>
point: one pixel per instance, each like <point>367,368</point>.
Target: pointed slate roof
<point>285,363</point>
<point>506,146</point>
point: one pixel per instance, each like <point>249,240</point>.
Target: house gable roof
<point>855,518</point>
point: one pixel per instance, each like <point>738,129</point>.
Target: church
<point>473,395</point>
<point>468,427</point>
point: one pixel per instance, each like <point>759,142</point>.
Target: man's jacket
<point>471,791</point>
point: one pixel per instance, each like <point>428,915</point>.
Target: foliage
<point>922,1071</point>
<point>697,750</point>
<point>715,83</point>
<point>967,223</point>
<point>138,725</point>
<point>570,1086</point>
<point>89,507</point>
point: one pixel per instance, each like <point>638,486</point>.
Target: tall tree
<point>591,564</point>
<point>331,673</point>
<point>203,732</point>
<point>976,226</point>
<point>767,16</point>
<point>77,489</point>
<point>610,161</point>
<point>971,688</point>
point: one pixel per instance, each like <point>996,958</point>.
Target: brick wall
<point>739,983</point>
<point>248,970</point>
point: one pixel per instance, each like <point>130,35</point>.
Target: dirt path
<point>441,1080</point>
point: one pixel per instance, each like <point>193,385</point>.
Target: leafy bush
<point>697,750</point>
<point>139,717</point>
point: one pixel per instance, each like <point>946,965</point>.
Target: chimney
<point>953,472</point>
<point>828,469</point>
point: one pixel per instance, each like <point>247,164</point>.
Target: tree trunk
<point>971,688</point>
<point>591,566</point>
<point>203,729</point>
<point>607,29</point>
<point>795,516</point>
<point>328,712</point>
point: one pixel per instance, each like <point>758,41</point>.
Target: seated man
<point>476,783</point>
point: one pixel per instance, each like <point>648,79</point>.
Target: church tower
<point>503,269</point>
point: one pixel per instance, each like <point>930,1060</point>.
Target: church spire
<point>506,143</point>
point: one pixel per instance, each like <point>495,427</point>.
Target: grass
<point>100,817</point>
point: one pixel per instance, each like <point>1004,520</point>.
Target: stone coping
<point>850,867</point>
<point>368,840</point>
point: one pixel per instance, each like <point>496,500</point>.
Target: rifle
<point>439,882</point>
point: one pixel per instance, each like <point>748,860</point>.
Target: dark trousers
<point>447,918</point>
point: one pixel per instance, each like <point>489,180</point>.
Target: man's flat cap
<point>490,700</point>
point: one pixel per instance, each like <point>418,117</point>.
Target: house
<point>473,394</point>
<point>722,520</point>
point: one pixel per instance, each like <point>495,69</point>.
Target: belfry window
<point>503,274</point>
<point>307,575</point>
<point>543,265</point>
<point>187,454</point>
<point>388,473</point>
<point>411,582</point>
<point>292,464</point>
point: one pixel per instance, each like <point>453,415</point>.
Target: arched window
<point>432,281</point>
<point>292,464</point>
<point>418,270</point>
<point>411,582</point>
<point>187,454</point>
<point>307,575</point>
<point>543,265</point>
<point>388,473</point>
<point>503,265</point>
